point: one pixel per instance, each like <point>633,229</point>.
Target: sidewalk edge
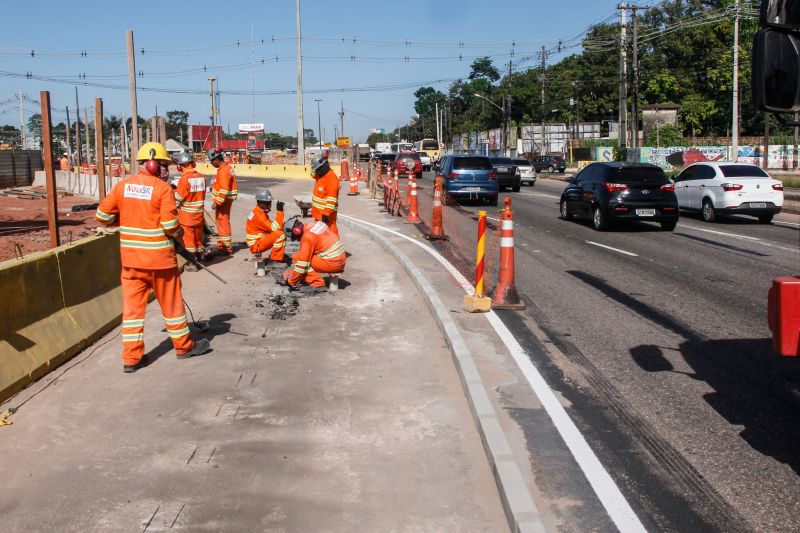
<point>518,503</point>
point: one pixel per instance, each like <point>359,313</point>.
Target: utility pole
<point>341,119</point>
<point>86,131</point>
<point>69,129</point>
<point>735,103</point>
<point>623,77</point>
<point>98,148</point>
<point>301,143</point>
<point>766,140</point>
<point>21,123</point>
<point>253,72</point>
<point>541,82</point>
<point>507,114</point>
<point>134,144</point>
<point>213,111</point>
<point>50,175</point>
<point>319,124</point>
<point>635,88</point>
<point>438,126</point>
<point>77,133</point>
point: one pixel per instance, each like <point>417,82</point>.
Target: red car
<point>400,163</point>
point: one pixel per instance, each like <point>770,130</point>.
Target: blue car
<point>469,177</point>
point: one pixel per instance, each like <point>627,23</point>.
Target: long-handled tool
<point>208,225</point>
<point>180,249</point>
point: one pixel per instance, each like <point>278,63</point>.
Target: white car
<point>713,189</point>
<point>527,174</point>
<point>426,160</point>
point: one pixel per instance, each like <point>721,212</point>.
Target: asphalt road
<point>667,353</point>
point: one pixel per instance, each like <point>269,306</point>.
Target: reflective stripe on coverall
<point>263,234</point>
<point>223,194</point>
<point>190,196</point>
<point>325,199</point>
<point>320,251</point>
<point>147,216</point>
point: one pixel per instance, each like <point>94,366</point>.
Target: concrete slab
<point>327,413</point>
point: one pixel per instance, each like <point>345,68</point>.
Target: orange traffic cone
<point>353,186</point>
<point>388,187</point>
<point>408,189</point>
<point>437,229</point>
<point>345,175</point>
<point>505,293</point>
<point>413,206</point>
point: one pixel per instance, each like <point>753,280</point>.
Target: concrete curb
<point>521,510</point>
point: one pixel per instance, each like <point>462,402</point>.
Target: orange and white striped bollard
<point>505,293</point>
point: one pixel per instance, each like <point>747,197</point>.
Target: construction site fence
<point>55,304</point>
<point>17,167</point>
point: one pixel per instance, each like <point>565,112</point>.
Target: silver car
<point>527,173</point>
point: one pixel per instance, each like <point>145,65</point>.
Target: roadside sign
<point>343,142</point>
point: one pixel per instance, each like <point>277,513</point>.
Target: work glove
<point>279,205</point>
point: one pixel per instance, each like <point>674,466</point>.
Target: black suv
<point>550,163</point>
<point>386,160</point>
<point>607,192</point>
<point>507,176</point>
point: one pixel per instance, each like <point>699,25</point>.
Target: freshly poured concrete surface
<point>347,416</point>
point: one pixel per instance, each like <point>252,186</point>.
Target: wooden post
<point>136,139</point>
<point>162,131</point>
<point>86,122</point>
<point>153,136</point>
<point>78,134</point>
<point>47,148</point>
<point>98,148</point>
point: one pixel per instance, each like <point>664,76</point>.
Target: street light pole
<point>319,124</point>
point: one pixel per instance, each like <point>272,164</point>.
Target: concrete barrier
<point>56,303</point>
<point>266,171</point>
<point>80,184</point>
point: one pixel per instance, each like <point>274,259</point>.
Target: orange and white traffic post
<point>353,185</point>
<point>388,189</point>
<point>505,293</point>
<point>478,302</point>
<point>344,175</point>
<point>437,229</point>
<point>413,205</point>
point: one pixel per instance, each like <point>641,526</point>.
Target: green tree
<point>696,111</point>
<point>483,68</point>
<point>176,124</point>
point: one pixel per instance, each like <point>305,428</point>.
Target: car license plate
<point>758,204</point>
<point>471,189</point>
<point>502,169</point>
<point>645,212</point>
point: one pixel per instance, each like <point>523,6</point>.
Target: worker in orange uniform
<point>190,197</point>
<point>148,218</point>
<point>223,194</point>
<point>325,196</point>
<point>64,161</point>
<point>320,251</point>
<point>263,234</point>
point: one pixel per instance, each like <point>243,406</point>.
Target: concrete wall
<point>80,184</point>
<point>55,304</point>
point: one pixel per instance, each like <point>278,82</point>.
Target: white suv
<point>728,189</point>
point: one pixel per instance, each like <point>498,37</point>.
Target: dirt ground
<point>23,222</point>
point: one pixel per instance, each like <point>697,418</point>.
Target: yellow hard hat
<point>152,150</point>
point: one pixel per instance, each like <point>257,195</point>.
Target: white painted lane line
<point>493,219</point>
<point>543,195</point>
<point>607,491</point>
<point>734,235</point>
<point>611,248</point>
<point>782,223</point>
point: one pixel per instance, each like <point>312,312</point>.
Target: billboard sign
<point>343,142</point>
<point>251,128</point>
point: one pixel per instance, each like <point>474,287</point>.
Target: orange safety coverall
<point>262,234</point>
<point>64,163</point>
<point>223,194</point>
<point>190,197</point>
<point>325,199</point>
<point>147,214</point>
<point>320,251</point>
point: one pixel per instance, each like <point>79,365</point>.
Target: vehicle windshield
<point>408,155</point>
<point>386,157</point>
<point>742,171</point>
<point>471,163</point>
<point>522,162</point>
<point>502,160</point>
<point>422,154</point>
<point>430,145</point>
<point>637,175</point>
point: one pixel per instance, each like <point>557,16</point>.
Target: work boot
<point>311,290</point>
<point>200,347</point>
<point>190,267</point>
<point>130,369</point>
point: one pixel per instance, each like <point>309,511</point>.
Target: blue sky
<point>197,35</point>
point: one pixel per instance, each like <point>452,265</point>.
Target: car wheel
<point>599,219</point>
<point>533,183</point>
<point>669,225</point>
<point>562,170</point>
<point>709,213</point>
<point>765,219</point>
<point>516,188</point>
<point>565,214</point>
<point>550,169</point>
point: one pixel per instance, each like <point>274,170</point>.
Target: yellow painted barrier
<point>55,303</point>
<point>266,171</point>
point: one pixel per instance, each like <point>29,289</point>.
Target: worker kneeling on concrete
<point>148,219</point>
<point>263,234</point>
<point>321,251</point>
<point>190,197</point>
